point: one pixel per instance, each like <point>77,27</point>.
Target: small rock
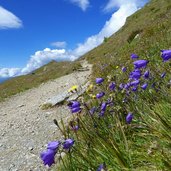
<point>20,105</point>
<point>31,148</point>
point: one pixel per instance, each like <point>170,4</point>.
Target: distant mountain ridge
<point>3,79</point>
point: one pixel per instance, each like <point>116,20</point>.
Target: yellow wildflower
<point>93,96</point>
<point>90,88</point>
<point>73,88</point>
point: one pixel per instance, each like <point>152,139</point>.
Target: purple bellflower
<point>53,145</point>
<point>144,86</point>
<point>134,56</point>
<point>121,86</point>
<point>99,80</point>
<point>163,74</point>
<point>129,118</point>
<point>140,64</point>
<point>92,110</point>
<point>103,106</point>
<point>100,95</point>
<point>146,74</point>
<point>124,69</point>
<point>68,144</point>
<point>112,86</point>
<point>102,167</point>
<point>136,74</point>
<point>135,83</point>
<point>48,157</point>
<point>166,55</point>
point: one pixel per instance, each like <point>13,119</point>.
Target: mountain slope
<point>48,72</point>
<point>145,33</point>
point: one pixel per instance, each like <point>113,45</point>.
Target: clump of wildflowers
<point>48,156</point>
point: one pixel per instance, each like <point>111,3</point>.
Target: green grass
<point>145,144</point>
<point>48,72</point>
<point>152,23</point>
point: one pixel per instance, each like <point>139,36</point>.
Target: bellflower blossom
<point>102,167</point>
<point>48,157</point>
<point>68,144</point>
<point>53,145</point>
<point>136,74</point>
<point>134,56</point>
<point>146,74</point>
<point>163,74</point>
<point>166,55</point>
<point>99,80</point>
<point>92,110</point>
<point>112,86</point>
<point>121,86</point>
<point>124,69</point>
<point>129,118</point>
<point>100,95</point>
<point>144,86</point>
<point>135,83</point>
<point>140,64</point>
<point>103,106</point>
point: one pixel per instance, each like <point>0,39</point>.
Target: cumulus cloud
<point>117,3</point>
<point>116,21</point>
<point>83,4</point>
<point>37,60</point>
<point>42,57</point>
<point>59,44</point>
<point>8,19</point>
<point>9,72</point>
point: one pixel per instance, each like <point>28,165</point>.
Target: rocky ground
<point>25,128</point>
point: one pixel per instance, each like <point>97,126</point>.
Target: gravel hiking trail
<point>25,128</point>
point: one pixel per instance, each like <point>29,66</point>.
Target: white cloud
<point>59,44</point>
<point>8,19</point>
<point>117,3</point>
<point>37,60</point>
<point>9,72</point>
<point>83,4</point>
<point>116,21</point>
<point>40,58</point>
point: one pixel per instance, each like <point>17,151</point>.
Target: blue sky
<point>34,32</point>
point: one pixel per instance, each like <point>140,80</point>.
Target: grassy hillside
<point>48,72</point>
<point>127,127</point>
<point>145,33</point>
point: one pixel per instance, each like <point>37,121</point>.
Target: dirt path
<point>25,129</point>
